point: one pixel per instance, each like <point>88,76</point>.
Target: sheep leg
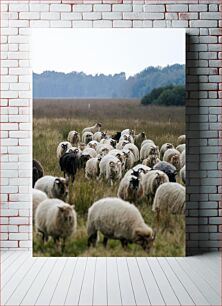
<point>92,239</point>
<point>63,244</point>
<point>124,243</point>
<point>105,241</point>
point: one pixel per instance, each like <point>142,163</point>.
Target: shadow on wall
<point>193,194</point>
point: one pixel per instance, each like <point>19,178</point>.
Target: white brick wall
<point>201,18</point>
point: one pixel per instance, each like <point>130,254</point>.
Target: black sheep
<point>116,136</point>
<point>167,168</point>
<point>37,171</point>
<point>69,164</point>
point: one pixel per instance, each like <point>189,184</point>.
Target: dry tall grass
<point>53,119</point>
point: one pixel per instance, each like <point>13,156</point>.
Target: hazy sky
<point>106,51</point>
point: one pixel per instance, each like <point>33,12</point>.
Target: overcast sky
<point>106,51</point>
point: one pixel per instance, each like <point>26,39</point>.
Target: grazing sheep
<point>56,219</point>
<point>98,136</point>
<point>127,138</point>
<point>103,148</point>
<point>164,147</point>
<point>151,161</point>
<point>149,149</point>
<point>151,181</point>
<point>110,168</point>
<point>120,155</point>
<point>181,139</point>
<point>183,158</point>
<point>146,141</point>
<point>87,137</point>
<point>92,129</point>
<point>116,136</point>
<point>93,144</point>
<point>130,188</point>
<point>129,158</point>
<point>120,145</point>
<point>54,187</point>
<point>74,138</point>
<point>172,156</point>
<point>118,219</point>
<point>92,167</point>
<point>62,148</point>
<point>37,197</point>
<point>169,197</point>
<point>37,171</point>
<point>183,174</point>
<point>69,164</point>
<point>133,148</point>
<point>128,132</point>
<point>139,138</point>
<point>181,147</point>
<point>167,168</point>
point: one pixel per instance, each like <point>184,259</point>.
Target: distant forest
<point>51,84</point>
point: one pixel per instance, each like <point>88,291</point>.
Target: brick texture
<point>201,18</point>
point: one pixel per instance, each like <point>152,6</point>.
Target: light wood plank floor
<point>110,281</point>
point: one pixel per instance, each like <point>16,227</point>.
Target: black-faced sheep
<point>170,197</point>
<point>118,219</point>
<point>54,187</point>
<point>87,137</point>
<point>37,171</point>
<point>164,148</point>
<point>93,129</point>
<point>167,168</point>
<point>62,148</point>
<point>151,181</point>
<point>172,156</point>
<point>73,138</point>
<point>56,219</point>
<point>110,168</point>
<point>69,164</point>
<point>130,188</point>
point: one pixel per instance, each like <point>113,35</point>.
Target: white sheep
<point>73,150</point>
<point>93,129</point>
<point>37,197</point>
<point>183,174</point>
<point>181,147</point>
<point>62,148</point>
<point>93,144</point>
<point>183,158</point>
<point>147,141</point>
<point>172,156</point>
<point>110,168</point>
<point>139,138</point>
<point>170,197</point>
<point>109,141</point>
<point>87,137</point>
<point>127,137</point>
<point>54,187</point>
<point>82,146</point>
<point>56,219</point>
<point>120,145</point>
<point>129,158</point>
<point>74,138</point>
<point>120,155</point>
<point>181,139</point>
<point>164,147</point>
<point>98,136</point>
<point>118,219</point>
<point>147,149</point>
<point>89,151</point>
<point>128,132</point>
<point>92,167</point>
<point>103,148</point>
<point>130,188</point>
<point>151,161</point>
<point>151,181</point>
<point>133,148</point>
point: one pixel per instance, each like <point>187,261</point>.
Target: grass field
<point>53,119</point>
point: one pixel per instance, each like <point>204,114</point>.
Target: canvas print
<point>109,142</point>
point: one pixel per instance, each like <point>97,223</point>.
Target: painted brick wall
<point>201,19</point>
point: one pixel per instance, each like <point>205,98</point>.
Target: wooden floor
<point>110,281</point>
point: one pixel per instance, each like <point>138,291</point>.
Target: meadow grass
<point>53,119</point>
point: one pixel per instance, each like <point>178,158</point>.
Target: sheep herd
<point>130,161</point>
